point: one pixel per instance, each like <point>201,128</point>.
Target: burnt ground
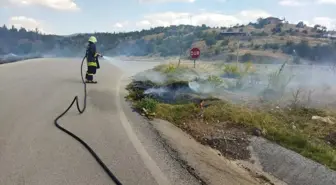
<point>231,140</point>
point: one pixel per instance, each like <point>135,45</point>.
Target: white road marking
<point>149,162</point>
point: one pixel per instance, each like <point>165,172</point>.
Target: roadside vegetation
<point>14,58</point>
<point>226,124</point>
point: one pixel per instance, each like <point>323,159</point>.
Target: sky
<point>66,17</point>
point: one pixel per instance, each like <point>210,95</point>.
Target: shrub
<point>225,42</point>
<point>147,106</point>
<point>215,80</point>
<point>282,34</point>
<point>257,46</point>
<point>246,57</point>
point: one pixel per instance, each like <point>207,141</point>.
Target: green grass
<point>276,126</point>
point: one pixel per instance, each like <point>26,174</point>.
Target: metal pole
<point>238,52</point>
<point>179,62</point>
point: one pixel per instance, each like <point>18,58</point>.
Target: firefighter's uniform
<point>92,59</point>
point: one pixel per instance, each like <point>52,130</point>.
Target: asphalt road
<point>34,152</point>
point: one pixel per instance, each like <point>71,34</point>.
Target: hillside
<point>263,41</point>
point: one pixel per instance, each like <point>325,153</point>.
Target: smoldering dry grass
<point>289,124</point>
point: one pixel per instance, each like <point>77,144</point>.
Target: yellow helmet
<point>93,39</point>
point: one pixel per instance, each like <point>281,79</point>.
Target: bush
<point>282,34</point>
<point>225,42</point>
<point>232,71</point>
<point>247,57</point>
<point>217,51</point>
<point>210,41</point>
<point>170,68</point>
<point>147,106</point>
<point>236,71</point>
<point>215,80</point>
<point>257,46</point>
<point>272,46</point>
<point>277,83</point>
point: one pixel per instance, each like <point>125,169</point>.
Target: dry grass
<point>155,36</point>
<point>262,53</point>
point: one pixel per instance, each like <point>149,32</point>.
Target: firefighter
<point>92,60</point>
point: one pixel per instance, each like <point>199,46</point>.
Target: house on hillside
<point>330,34</point>
<point>273,20</point>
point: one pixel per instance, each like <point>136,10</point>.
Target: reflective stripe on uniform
<point>91,74</point>
<point>92,64</point>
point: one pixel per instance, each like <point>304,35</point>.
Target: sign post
<point>194,54</point>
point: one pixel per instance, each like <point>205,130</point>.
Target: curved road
<point>34,152</point>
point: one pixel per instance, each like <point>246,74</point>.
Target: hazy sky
<point>74,16</point>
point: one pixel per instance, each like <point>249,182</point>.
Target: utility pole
<point>238,47</point>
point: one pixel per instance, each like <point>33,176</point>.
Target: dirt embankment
<point>209,164</point>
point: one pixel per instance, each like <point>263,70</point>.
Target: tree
<point>217,51</point>
<point>22,30</point>
<point>13,29</point>
<point>261,23</point>
<point>300,25</point>
<point>210,41</point>
<point>25,48</point>
<point>225,42</point>
<point>303,48</point>
<point>316,27</point>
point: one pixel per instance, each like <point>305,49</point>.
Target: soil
<point>231,140</point>
<point>205,162</point>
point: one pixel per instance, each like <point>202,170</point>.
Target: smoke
<point>316,84</point>
<point>150,75</point>
<point>137,69</point>
<point>158,91</point>
<point>11,57</point>
<point>203,88</point>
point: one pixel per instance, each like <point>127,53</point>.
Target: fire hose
<point>81,111</point>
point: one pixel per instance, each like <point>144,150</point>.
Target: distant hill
<point>265,39</point>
